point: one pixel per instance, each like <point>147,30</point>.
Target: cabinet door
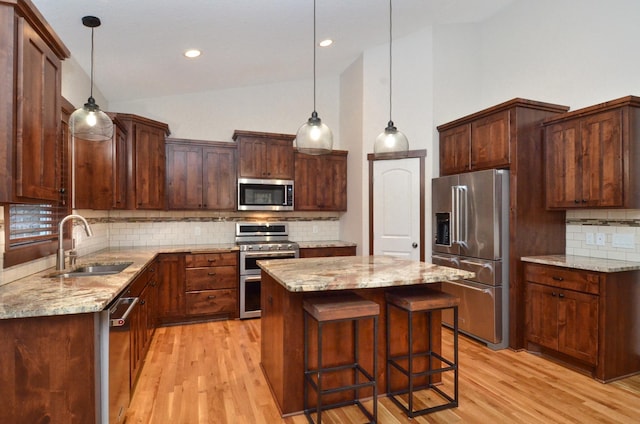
<point>219,173</point>
<point>171,287</point>
<point>93,174</point>
<point>490,142</point>
<point>279,159</point>
<point>119,162</point>
<point>252,158</point>
<point>149,167</point>
<point>563,169</point>
<point>320,182</point>
<point>601,137</point>
<point>578,325</point>
<point>542,315</point>
<point>38,116</point>
<point>184,176</point>
<point>455,150</point>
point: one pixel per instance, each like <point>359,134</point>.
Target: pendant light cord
<point>91,91</point>
<point>314,55</point>
<point>390,59</point>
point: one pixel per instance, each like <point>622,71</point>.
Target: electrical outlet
<point>315,229</point>
<point>625,241</point>
<point>600,239</point>
<point>590,239</point>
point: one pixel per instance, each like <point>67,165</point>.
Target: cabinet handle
<point>561,295</point>
<point>576,201</point>
<point>211,260</point>
<point>270,300</point>
<point>211,274</point>
<point>584,200</point>
<point>142,302</point>
<point>211,296</point>
<point>553,294</point>
<point>558,278</point>
<point>153,284</point>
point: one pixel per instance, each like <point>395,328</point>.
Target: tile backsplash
<point>610,234</point>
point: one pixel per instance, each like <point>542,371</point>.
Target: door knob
<point>414,245</point>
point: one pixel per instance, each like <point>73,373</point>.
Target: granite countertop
<point>355,272</point>
<point>45,293</point>
<point>584,263</point>
<point>324,243</point>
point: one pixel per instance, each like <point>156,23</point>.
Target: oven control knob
<point>260,247</point>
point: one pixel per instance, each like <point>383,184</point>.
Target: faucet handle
<point>73,255</point>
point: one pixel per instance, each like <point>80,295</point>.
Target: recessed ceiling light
<point>192,53</point>
<point>326,43</point>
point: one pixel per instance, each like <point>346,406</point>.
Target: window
<point>32,231</point>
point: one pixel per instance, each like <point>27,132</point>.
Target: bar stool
<point>422,300</point>
<point>332,309</point>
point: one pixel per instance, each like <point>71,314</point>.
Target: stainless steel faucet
<point>60,255</point>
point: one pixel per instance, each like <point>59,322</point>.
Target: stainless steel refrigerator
<point>471,226</point>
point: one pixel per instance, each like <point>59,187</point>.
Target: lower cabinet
<point>320,252</point>
<point>584,318</point>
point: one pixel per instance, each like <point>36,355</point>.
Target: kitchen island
<point>286,282</point>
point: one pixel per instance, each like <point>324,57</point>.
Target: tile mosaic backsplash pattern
<point>619,231</point>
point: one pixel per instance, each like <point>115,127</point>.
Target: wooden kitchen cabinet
<point>201,175</point>
<point>146,161</point>
<point>30,103</point>
<point>171,291</point>
<point>509,136</point>
<point>265,155</point>
<point>321,182</point>
<point>211,281</point>
<point>592,157</point>
<point>101,171</point>
<point>584,318</point>
<point>321,252</point>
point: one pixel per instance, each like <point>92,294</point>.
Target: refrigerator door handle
<point>460,214</point>
<point>485,291</point>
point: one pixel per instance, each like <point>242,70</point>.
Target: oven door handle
<point>252,279</point>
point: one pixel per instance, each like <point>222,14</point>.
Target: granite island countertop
<point>45,293</point>
<point>355,272</point>
<point>584,263</point>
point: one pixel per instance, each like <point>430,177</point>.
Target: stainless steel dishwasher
<point>119,348</point>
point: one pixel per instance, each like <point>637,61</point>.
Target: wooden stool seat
<point>423,301</point>
<point>325,310</point>
<point>340,307</point>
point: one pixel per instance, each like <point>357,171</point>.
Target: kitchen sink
<point>93,269</point>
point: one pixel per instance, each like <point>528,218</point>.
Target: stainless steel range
<point>256,241</point>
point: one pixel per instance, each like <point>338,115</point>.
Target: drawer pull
<point>561,295</point>
<point>211,260</point>
<point>558,278</point>
<point>553,294</point>
<point>211,273</point>
<point>211,296</point>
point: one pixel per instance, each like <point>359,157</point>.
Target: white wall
<point>214,115</point>
<point>76,85</point>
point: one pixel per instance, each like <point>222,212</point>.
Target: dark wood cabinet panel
<point>211,278</point>
<point>321,182</point>
<point>584,318</point>
<point>490,141</point>
<point>265,155</point>
<point>30,117</point>
<point>321,252</point>
<point>201,175</point>
<point>455,150</point>
<point>171,287</point>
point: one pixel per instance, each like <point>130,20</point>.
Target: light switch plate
<point>600,239</point>
<point>590,239</point>
<point>623,240</point>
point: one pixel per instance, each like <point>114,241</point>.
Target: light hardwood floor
<point>210,373</point>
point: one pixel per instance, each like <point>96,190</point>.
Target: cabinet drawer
<point>211,259</point>
<point>211,277</point>
<point>564,278</point>
<point>211,302</point>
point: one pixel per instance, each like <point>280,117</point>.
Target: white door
<point>396,208</point>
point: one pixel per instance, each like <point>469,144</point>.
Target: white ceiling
<point>138,48</point>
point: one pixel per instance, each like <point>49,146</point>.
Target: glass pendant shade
<point>314,137</point>
<point>90,123</point>
<point>391,141</point>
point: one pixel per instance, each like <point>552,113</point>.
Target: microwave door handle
<point>285,195</point>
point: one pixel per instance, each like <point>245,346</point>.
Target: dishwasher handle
<point>118,318</point>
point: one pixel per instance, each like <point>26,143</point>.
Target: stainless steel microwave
<point>265,195</point>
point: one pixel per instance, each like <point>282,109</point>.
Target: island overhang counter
<point>286,282</point>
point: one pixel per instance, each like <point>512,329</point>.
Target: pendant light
<point>314,137</point>
<point>89,122</point>
<point>391,140</point>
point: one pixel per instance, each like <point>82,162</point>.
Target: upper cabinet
<point>101,171</point>
<point>486,140</point>
<point>201,175</point>
<point>321,182</point>
<point>592,156</point>
<point>264,155</point>
<point>30,104</point>
<point>145,161</point>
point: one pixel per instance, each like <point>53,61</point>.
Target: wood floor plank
<point>209,373</point>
